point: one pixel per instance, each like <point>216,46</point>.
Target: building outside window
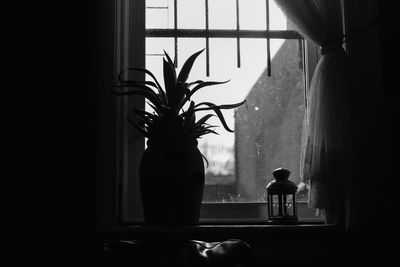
<point>252,44</point>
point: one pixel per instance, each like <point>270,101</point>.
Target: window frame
<point>130,35</point>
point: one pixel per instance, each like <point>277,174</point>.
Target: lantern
<point>281,199</point>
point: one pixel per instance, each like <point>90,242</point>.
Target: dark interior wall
<point>390,105</point>
<point>98,35</point>
<point>90,196</point>
<point>373,135</point>
<point>364,92</point>
<point>391,93</point>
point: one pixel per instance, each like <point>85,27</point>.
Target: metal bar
<point>269,205</point>
<point>268,40</point>
<point>175,28</point>
<point>268,57</point>
<point>305,74</point>
<point>207,43</point>
<point>294,205</point>
<point>300,54</point>
<point>156,7</point>
<point>284,205</point>
<point>199,33</point>
<point>238,38</point>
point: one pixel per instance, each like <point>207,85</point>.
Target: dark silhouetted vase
<point>172,182</point>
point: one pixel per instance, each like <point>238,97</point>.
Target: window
<point>252,44</point>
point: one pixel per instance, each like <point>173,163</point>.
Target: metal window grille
<point>222,33</point>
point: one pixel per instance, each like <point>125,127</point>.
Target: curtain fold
<point>322,155</point>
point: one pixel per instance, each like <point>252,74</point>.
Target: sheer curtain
<point>322,163</point>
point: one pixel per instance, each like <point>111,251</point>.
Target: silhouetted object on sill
<point>190,253</point>
<point>281,197</point>
<point>171,170</point>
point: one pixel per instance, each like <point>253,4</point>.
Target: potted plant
<point>171,171</point>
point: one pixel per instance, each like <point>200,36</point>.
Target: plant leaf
<point>202,132</point>
<point>181,91</point>
<point>217,111</point>
<point>190,119</point>
<point>200,85</point>
<point>169,60</point>
<point>204,84</point>
<point>138,127</point>
<point>157,110</point>
<point>205,160</point>
<point>187,66</point>
<point>160,91</point>
<point>134,83</point>
<point>170,83</point>
<point>204,119</point>
<point>195,82</point>
<point>148,73</point>
<point>226,106</point>
<point>143,91</point>
<point>143,113</point>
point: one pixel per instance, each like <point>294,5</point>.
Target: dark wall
<point>374,142</point>
<point>391,93</point>
<point>93,195</point>
<point>98,34</point>
<point>391,109</point>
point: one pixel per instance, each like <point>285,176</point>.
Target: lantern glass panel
<point>282,205</point>
<point>288,205</point>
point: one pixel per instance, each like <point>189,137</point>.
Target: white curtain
<point>324,128</point>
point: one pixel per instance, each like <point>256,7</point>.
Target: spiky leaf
<point>159,88</point>
<point>141,90</point>
<point>187,67</point>
<point>170,83</point>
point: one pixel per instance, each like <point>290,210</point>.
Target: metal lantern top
<point>281,184</point>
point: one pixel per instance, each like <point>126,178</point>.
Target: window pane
<point>191,14</point>
<point>159,14</point>
<point>268,133</point>
<point>222,14</point>
<point>219,149</point>
<point>252,15</point>
<point>221,178</point>
<point>267,130</point>
<point>156,46</point>
<point>188,46</point>
<point>155,52</point>
<point>277,20</point>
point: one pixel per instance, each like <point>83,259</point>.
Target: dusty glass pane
<point>219,149</point>
<point>191,14</point>
<point>222,14</point>
<point>159,14</point>
<point>268,132</point>
<point>156,46</point>
<point>252,15</point>
<point>277,20</point>
<point>188,46</point>
<point>154,53</point>
<point>157,19</point>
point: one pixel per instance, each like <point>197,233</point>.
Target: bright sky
<point>223,64</point>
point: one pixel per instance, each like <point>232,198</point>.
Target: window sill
<point>223,230</point>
